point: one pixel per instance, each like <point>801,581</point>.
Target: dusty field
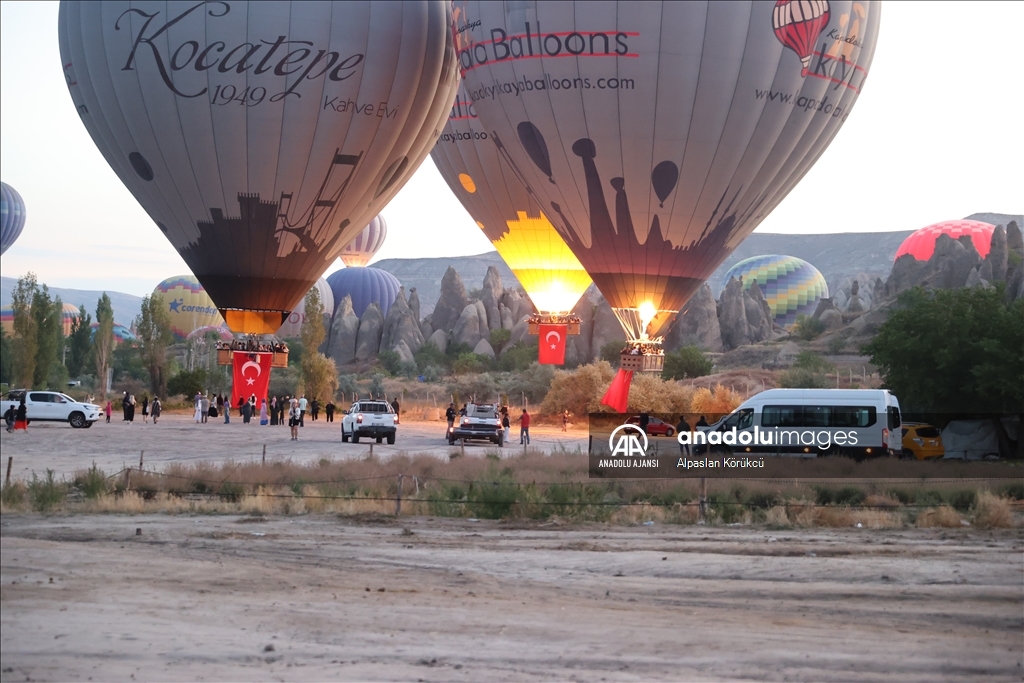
<point>177,438</point>
<point>323,598</point>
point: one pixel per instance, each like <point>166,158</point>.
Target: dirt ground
<point>327,598</point>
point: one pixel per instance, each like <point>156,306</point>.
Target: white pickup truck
<point>372,419</point>
<point>52,406</point>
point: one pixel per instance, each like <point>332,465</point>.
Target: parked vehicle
<point>480,423</point>
<point>53,406</point>
<point>655,427</point>
<point>855,422</point>
<point>922,441</point>
<point>372,419</point>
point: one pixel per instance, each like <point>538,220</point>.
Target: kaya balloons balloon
<point>360,250</point>
<point>292,327</point>
<point>497,200</point>
<point>12,216</point>
<point>260,136</point>
<point>659,134</point>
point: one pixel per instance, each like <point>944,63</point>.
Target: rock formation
<point>484,348</point>
<point>467,327</point>
<point>697,325</point>
<point>439,339</point>
<point>414,304</point>
<point>452,302</point>
<point>344,329</point>
<point>371,325</point>
<point>743,315</point>
<point>606,327</point>
<point>401,325</point>
<point>490,297</point>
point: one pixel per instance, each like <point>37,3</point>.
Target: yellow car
<point>922,441</point>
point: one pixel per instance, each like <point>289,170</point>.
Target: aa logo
<point>631,441</point>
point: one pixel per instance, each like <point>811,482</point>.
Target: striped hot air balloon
<point>798,23</point>
<point>69,314</point>
<point>360,250</point>
<point>12,216</point>
<point>921,243</point>
<point>791,285</point>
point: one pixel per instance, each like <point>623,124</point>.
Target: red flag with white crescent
<point>251,376</point>
<point>552,344</point>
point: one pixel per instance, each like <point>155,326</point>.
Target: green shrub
<point>807,328</point>
<point>518,357</point>
<point>612,351</point>
<point>492,498</point>
<point>1014,490</point>
<point>187,383</point>
<point>499,338</point>
<point>93,482</point>
<point>468,363</point>
<point>686,363</point>
<point>446,500</point>
<point>962,500</point>
<point>390,361</point>
<point>429,355</point>
<point>46,494</point>
<point>13,494</point>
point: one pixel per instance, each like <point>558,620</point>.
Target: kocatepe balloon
<point>659,135</point>
<point>485,184</point>
<point>365,286</point>
<point>360,250</point>
<point>791,285</point>
<point>260,137</point>
<point>12,216</point>
<point>292,327</point>
<point>187,304</point>
<point>921,243</point>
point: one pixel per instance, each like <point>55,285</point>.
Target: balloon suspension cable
<point>635,322</point>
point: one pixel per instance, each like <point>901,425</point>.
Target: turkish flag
<point>251,376</point>
<point>552,344</point>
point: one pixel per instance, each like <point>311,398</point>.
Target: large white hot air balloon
<point>260,136</point>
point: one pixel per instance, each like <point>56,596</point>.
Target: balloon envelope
<point>222,333</point>
<point>791,285</point>
<point>365,286</point>
<point>658,135</point>
<point>121,333</point>
<point>187,304</point>
<point>921,243</point>
<point>489,190</point>
<point>69,314</point>
<point>360,250</point>
<point>292,327</point>
<point>12,216</point>
<point>260,136</point>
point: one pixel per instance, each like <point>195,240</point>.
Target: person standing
<point>395,405</point>
<point>565,420</point>
<point>109,410</point>
<point>205,402</point>
<point>294,417</point>
<point>273,411</point>
<point>145,409</point>
<point>524,428</point>
<point>263,413</point>
<point>450,416</point>
<point>198,413</point>
<point>329,411</point>
<point>684,427</point>
<point>227,409</point>
<point>9,416</point>
<point>124,406</point>
<point>21,415</point>
<point>302,410</point>
<point>506,423</point>
<point>246,412</point>
<point>157,408</point>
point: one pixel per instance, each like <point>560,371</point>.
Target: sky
<point>935,135</point>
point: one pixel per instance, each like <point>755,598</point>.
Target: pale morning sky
<point>935,135</point>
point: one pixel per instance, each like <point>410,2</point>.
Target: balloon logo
<point>798,23</point>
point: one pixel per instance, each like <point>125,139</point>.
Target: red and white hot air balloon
<point>798,23</point>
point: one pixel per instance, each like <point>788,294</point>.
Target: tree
<point>6,360</point>
<point>187,383</point>
<point>26,331</point>
<point>319,373</point>
<point>49,319</point>
<point>955,352</point>
<point>808,328</point>
<point>686,363</point>
<point>103,342</point>
<point>153,329</point>
<point>79,342</point>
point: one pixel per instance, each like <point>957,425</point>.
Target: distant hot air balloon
<point>187,304</point>
<point>921,243</point>
<point>12,216</point>
<point>658,135</point>
<point>365,286</point>
<point>222,333</point>
<point>798,23</point>
<point>121,333</point>
<point>292,327</point>
<point>791,285</point>
<point>69,314</point>
<point>360,250</point>
<point>260,136</point>
<point>486,185</point>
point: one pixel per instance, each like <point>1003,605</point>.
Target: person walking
<point>131,409</point>
<point>198,412</point>
<point>145,409</point>
<point>263,413</point>
<point>246,412</point>
<point>157,408</point>
<point>506,423</point>
<point>205,404</point>
<point>21,415</point>
<point>314,409</point>
<point>524,428</point>
<point>124,406</point>
<point>565,420</point>
<point>227,409</point>
<point>109,410</point>
<point>450,416</point>
<point>645,422</point>
<point>294,417</point>
<point>329,411</point>
<point>684,427</point>
<point>302,410</point>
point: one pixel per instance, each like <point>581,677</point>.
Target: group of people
<point>451,414</point>
<point>253,344</point>
<point>15,418</point>
<point>129,404</point>
<point>684,426</point>
<point>643,349</point>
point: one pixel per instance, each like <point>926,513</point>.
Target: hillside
<point>126,306</point>
<point>425,274</point>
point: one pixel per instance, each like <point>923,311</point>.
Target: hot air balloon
<point>658,135</point>
<point>69,314</point>
<point>260,136</point>
<point>292,327</point>
<point>798,23</point>
<point>921,243</point>
<point>121,333</point>
<point>513,221</point>
<point>222,333</point>
<point>365,286</point>
<point>187,304</point>
<point>12,216</point>
<point>360,250</point>
<point>791,285</point>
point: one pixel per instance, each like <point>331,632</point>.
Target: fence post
<point>264,463</point>
<point>141,453</point>
<point>128,479</point>
<point>371,450</point>
<point>590,445</point>
<point>462,448</point>
<point>398,498</point>
<point>702,501</point>
<point>7,479</point>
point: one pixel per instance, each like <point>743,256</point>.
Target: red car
<point>655,427</point>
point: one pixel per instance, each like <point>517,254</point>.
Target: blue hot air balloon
<point>364,285</point>
<point>12,216</point>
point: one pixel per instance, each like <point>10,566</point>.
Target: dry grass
<point>943,516</point>
<point>992,511</point>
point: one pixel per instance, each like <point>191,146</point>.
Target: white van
<point>854,422</point>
